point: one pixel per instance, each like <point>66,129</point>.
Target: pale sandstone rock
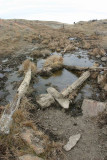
<point>72,142</point>
<point>92,108</point>
<point>45,100</point>
<point>29,157</point>
<point>34,141</point>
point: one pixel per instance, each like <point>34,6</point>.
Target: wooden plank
<point>76,84</point>
<point>6,118</point>
<point>77,68</point>
<point>63,102</point>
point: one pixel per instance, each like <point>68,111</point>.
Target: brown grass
<point>53,61</point>
<point>12,146</point>
<point>45,34</point>
<point>13,142</point>
<point>41,53</point>
<point>26,64</point>
<point>54,151</point>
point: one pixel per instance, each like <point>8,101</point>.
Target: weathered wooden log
<point>77,68</point>
<point>76,84</point>
<point>6,118</point>
<point>63,102</point>
<point>25,84</point>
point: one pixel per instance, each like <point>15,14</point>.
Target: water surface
<point>60,79</point>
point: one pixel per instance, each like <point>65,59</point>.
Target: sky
<point>66,11</point>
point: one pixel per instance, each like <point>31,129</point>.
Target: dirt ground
<point>60,126</point>
<point>21,39</point>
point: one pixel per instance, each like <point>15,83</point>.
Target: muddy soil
<point>54,121</point>
<point>58,123</point>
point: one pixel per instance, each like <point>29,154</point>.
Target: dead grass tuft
<point>41,53</point>
<point>53,61</point>
<point>12,146</point>
<point>13,142</point>
<point>26,64</point>
<point>54,151</point>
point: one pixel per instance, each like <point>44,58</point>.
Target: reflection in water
<point>40,63</point>
<point>61,79</point>
<point>13,77</point>
<point>79,58</point>
<point>5,60</point>
<point>85,92</point>
<point>30,58</point>
<point>72,38</point>
<point>58,73</point>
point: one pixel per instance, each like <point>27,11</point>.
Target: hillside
<point>53,90</point>
<point>17,35</point>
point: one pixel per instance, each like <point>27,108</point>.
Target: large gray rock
<point>45,100</point>
<point>72,142</point>
<point>92,108</point>
<point>63,102</point>
<point>29,157</point>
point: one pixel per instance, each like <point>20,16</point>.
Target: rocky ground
<point>40,132</point>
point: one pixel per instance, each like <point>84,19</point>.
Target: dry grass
<point>13,142</point>
<point>26,64</point>
<point>98,51</point>
<point>41,53</point>
<point>104,42</point>
<point>54,151</point>
<point>43,33</point>
<point>69,48</point>
<point>53,45</point>
<point>12,146</point>
<point>53,61</point>
<point>45,52</point>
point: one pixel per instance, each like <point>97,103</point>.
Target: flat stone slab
<point>72,142</point>
<point>45,100</point>
<point>92,108</point>
<point>34,141</point>
<point>63,102</point>
<point>29,157</point>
